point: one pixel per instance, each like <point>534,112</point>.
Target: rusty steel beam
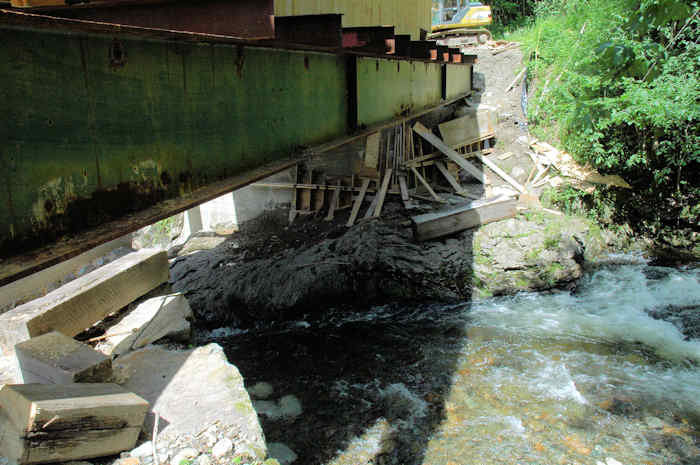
<point>108,121</point>
<point>251,19</point>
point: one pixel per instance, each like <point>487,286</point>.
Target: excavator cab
<point>460,18</point>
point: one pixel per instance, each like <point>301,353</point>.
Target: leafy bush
<point>621,82</point>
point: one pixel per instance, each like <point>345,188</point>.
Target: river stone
<point>379,261</point>
<point>222,448</point>
<point>281,452</point>
<point>192,390</point>
<point>261,390</point>
<point>143,450</point>
<point>185,454</point>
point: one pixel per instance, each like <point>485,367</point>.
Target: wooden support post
<point>305,194</point>
<point>372,206</point>
<point>334,204</point>
<point>358,202</point>
<point>295,194</point>
<point>382,193</point>
<point>427,186</point>
<point>478,212</point>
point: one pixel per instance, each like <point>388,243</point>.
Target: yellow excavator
<point>461,19</point>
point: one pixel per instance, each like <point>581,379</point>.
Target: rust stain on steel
<point>117,54</point>
<point>240,60</point>
<point>21,265</point>
<point>239,18</point>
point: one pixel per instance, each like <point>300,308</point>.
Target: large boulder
<point>191,391</point>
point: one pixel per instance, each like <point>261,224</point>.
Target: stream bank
<point>252,278</point>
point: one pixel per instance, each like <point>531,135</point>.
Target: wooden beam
<point>17,267</point>
<point>451,154</point>
<point>459,190</point>
<point>54,358</point>
<point>501,173</point>
<point>472,214</point>
<point>382,193</point>
<point>426,185</point>
<point>43,423</point>
<point>83,302</point>
<point>358,202</point>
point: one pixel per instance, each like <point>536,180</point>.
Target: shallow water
<point>610,371</point>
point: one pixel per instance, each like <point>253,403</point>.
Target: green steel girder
<point>97,125</point>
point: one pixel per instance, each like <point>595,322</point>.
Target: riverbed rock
<point>192,390</point>
<point>379,261</point>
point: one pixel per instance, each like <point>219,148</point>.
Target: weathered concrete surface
<point>380,261</point>
<point>151,320</point>
<point>191,390</point>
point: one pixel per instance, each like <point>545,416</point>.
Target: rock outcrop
<point>379,261</point>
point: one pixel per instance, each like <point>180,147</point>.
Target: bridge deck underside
<point>97,126</point>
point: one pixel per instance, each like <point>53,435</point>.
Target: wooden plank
<point>372,207</point>
<point>478,123</point>
<point>334,204</point>
<point>426,185</point>
<point>472,214</point>
<point>501,173</point>
<point>382,193</point>
<point>83,302</point>
<point>358,202</point>
<point>451,154</point>
<point>54,358</point>
<point>450,179</point>
<point>372,150</point>
<point>151,320</point>
<point>517,79</point>
<point>57,423</point>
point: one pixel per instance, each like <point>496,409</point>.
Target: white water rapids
<point>607,374</point>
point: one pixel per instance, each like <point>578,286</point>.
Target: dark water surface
<point>608,372</point>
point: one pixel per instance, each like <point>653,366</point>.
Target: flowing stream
<point>608,373</point>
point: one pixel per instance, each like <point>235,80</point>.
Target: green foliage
<point>621,83</point>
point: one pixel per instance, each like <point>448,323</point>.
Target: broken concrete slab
<point>81,303</point>
<point>151,320</point>
<point>191,390</point>
<point>54,358</point>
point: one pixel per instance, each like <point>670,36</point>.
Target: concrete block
<point>151,320</point>
<point>44,423</point>
<point>83,302</point>
<point>54,358</point>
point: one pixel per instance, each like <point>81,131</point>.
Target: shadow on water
<point>378,374</point>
